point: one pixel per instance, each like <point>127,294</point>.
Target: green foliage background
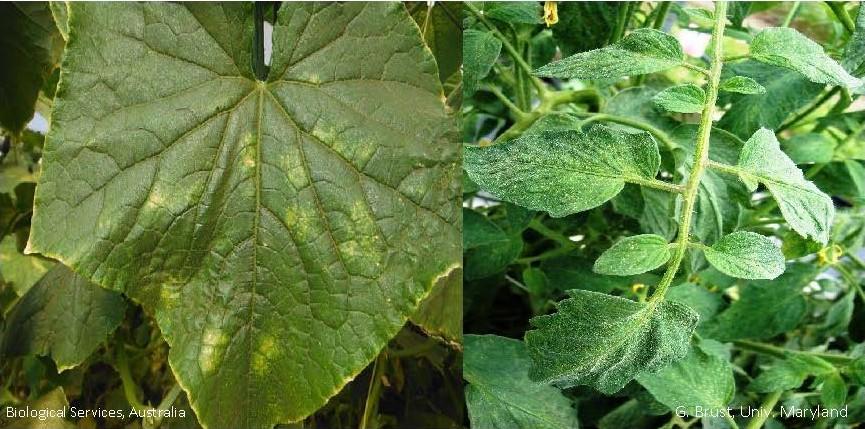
<point>568,212</point>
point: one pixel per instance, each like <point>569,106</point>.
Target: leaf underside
<point>281,231</point>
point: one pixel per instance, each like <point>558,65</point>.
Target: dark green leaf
<point>573,272</point>
<point>501,396</point>
<point>605,341</point>
<point>700,381</point>
<point>480,50</point>
<point>809,148</point>
<point>516,12</point>
<point>640,52</point>
<point>29,51</point>
<point>585,25</point>
<point>746,255</point>
<point>563,172</point>
<point>765,308</point>
<point>833,392</point>
<point>786,93</point>
<point>805,208</point>
<point>53,400</point>
<point>265,224</point>
<point>790,373</point>
<point>62,316</point>
<point>488,249</point>
<point>633,255</point>
<point>786,47</point>
<point>737,11</point>
<point>688,98</point>
<point>698,298</point>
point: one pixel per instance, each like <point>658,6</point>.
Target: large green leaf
<point>746,255</point>
<point>441,313</point>
<point>62,316</point>
<point>564,171</point>
<point>501,396</point>
<point>765,308</point>
<point>640,52</point>
<point>281,230</point>
<point>605,341</point>
<point>634,255</point>
<point>805,208</point>
<point>786,47</point>
<point>786,93</point>
<point>29,50</point>
<point>700,381</point>
<point>481,50</point>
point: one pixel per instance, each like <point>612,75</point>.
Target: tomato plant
<point>235,211</point>
<point>663,219</point>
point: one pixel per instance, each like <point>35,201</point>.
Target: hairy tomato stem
<point>701,154</point>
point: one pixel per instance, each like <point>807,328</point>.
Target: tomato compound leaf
<point>633,255</point>
<point>746,255</point>
<point>786,47</point>
<point>605,341</point>
<point>805,207</point>
<point>642,51</point>
<point>281,231</point>
<point>563,171</point>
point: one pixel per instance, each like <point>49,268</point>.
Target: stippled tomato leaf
<point>634,255</point>
<point>564,171</point>
<point>605,341</point>
<point>640,52</point>
<point>746,255</point>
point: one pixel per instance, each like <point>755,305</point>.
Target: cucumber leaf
<point>266,224</point>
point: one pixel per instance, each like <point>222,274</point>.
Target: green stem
<point>730,421</point>
<point>724,168</point>
<point>791,14</point>
<point>851,279</point>
<point>781,353</point>
<point>549,101</point>
<point>696,68</point>
<point>765,410</point>
<point>663,8</point>
<point>515,55</point>
<point>121,364</point>
<point>516,111</point>
<point>843,16</point>
<point>736,57</point>
<point>556,236</point>
<point>373,393</point>
<point>633,123</point>
<point>802,115</point>
<point>701,155</point>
